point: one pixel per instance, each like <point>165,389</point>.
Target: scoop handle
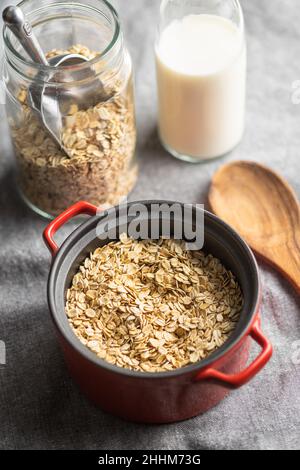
<point>14,19</point>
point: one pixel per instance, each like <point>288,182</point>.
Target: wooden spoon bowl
<point>264,209</point>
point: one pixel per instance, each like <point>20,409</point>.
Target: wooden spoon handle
<point>286,258</point>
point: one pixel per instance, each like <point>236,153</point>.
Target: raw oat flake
<point>152,305</point>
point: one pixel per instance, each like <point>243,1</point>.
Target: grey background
<point>40,407</point>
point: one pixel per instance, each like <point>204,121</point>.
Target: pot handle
<point>241,378</point>
<point>77,209</point>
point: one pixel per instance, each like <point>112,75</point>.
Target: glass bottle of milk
<point>201,76</point>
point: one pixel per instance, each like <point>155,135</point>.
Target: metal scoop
<point>49,102</point>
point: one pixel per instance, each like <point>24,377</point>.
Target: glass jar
<point>201,76</point>
<point>96,160</point>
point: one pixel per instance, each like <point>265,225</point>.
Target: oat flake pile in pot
<point>150,331</point>
<point>99,136</point>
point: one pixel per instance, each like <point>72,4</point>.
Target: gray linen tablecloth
<point>40,407</point>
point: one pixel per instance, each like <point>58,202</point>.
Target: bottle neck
<point>171,10</point>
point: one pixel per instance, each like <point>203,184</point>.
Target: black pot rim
<point>75,343</point>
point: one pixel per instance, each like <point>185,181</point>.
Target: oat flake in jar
<point>99,135</point>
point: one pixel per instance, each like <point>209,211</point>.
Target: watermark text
<point>296,353</point>
<point>2,353</point>
<point>155,220</point>
<point>296,92</point>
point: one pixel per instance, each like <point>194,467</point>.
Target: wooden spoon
<point>264,209</point>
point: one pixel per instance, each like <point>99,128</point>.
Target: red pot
<point>157,397</point>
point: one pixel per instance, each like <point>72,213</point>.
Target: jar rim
<point>81,66</point>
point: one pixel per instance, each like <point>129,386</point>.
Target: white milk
<point>201,73</point>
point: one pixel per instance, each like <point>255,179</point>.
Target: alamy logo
<point>2,85</point>
<point>2,92</point>
<point>152,221</point>
<point>2,353</point>
<point>296,353</point>
<point>296,92</point>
